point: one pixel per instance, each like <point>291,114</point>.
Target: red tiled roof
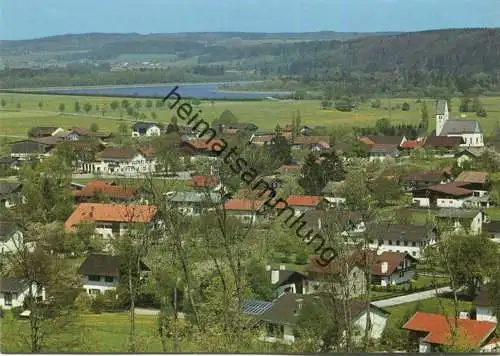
<point>412,144</point>
<point>202,143</point>
<point>98,186</point>
<point>204,181</point>
<point>471,332</point>
<point>452,188</point>
<point>393,260</point>
<point>244,204</point>
<point>303,200</point>
<point>135,213</point>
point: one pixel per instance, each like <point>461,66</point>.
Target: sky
<point>25,19</point>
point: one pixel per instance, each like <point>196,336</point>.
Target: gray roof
<point>29,146</point>
<point>441,106</point>
<point>454,127</point>
<point>195,197</point>
<point>485,296</point>
<point>457,213</point>
<point>406,232</point>
<point>473,151</point>
<point>285,275</point>
<point>101,264</point>
<point>12,284</point>
<point>145,125</point>
<point>255,307</point>
<point>9,187</point>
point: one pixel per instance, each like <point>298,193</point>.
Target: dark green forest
<point>417,63</point>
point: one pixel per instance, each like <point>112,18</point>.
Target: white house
<point>11,238</point>
<point>193,203</point>
<point>287,281</point>
<point>405,238</point>
<point>247,210</point>
<point>279,319</point>
<point>460,220</point>
<point>469,130</point>
<point>124,161</point>
<point>111,219</point>
<point>484,304</point>
<point>146,129</point>
<point>457,194</point>
<point>14,290</point>
<point>390,268</point>
<point>101,272</point>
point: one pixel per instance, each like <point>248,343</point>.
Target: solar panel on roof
<point>255,307</point>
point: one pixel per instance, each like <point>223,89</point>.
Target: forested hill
<point>458,59</point>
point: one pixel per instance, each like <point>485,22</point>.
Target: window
<point>414,243</point>
<point>380,242</point>
<point>390,242</point>
<point>397,242</point>
<point>94,291</point>
<point>401,274</point>
<point>95,278</point>
<point>414,253</point>
<point>8,299</point>
<point>109,279</point>
<point>405,243</point>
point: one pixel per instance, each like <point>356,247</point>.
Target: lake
<point>191,90</point>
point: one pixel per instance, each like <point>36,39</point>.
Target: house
<point>11,237</point>
<point>492,230</point>
<point>460,220</point>
<point>468,154</point>
<point>249,211</point>
<point>433,331</point>
<point>261,140</point>
<point>111,219</point>
<point>484,304</point>
<point>103,189</point>
<point>332,193</point>
<point>449,195</point>
<point>390,268</point>
<point>101,272</point>
<point>44,131</point>
<point>14,290</point>
<point>405,238</point>
<point>303,203</point>
<point>9,163</point>
<point>124,161</point>
<point>383,140</point>
<point>469,130</point>
<point>443,145</point>
<point>280,319</point>
<point>411,145</point>
<point>199,148</point>
<point>317,143</point>
<point>146,129</point>
<point>34,148</point>
<point>9,192</point>
<point>419,180</point>
<point>329,278</point>
<point>193,203</point>
<point>383,151</point>
<point>287,281</point>
<point>475,181</point>
<point>77,133</point>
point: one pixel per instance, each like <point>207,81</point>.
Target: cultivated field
<point>265,114</point>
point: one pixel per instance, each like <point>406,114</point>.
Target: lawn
<point>265,114</point>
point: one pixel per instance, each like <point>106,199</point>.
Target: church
<point>469,130</point>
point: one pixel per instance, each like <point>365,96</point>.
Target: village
<point>390,220</point>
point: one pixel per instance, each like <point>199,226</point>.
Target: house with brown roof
<point>124,161</point>
<point>287,281</point>
<point>492,229</point>
<point>78,133</point>
<point>443,145</point>
<point>382,152</point>
<point>405,238</point>
<point>247,210</point>
<point>469,154</point>
<point>390,268</point>
<point>280,319</point>
<point>433,331</point>
<point>199,148</point>
<point>421,179</point>
<point>34,148</point>
<point>475,181</point>
<point>451,221</point>
<point>104,189</point>
<point>111,219</point>
<point>101,272</point>
<point>44,131</point>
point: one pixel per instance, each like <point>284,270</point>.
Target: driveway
<point>410,297</point>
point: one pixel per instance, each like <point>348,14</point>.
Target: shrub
<point>16,311</point>
<point>285,259</point>
<point>83,302</point>
<point>301,257</point>
<point>98,304</point>
<point>481,113</point>
<point>405,107</point>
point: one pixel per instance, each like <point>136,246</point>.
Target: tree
<point>149,104</point>
<point>383,126</point>
<point>138,104</point>
<point>311,175</point>
<point>425,117</point>
<point>226,118</point>
<point>87,107</point>
<point>376,104</point>
<point>61,107</point>
<point>280,149</point>
<point>143,116</point>
<point>326,104</point>
<point>405,106</point>
<point>18,106</point>
<point>154,116</point>
<point>355,190</point>
<point>130,111</point>
<point>385,190</point>
<point>344,104</point>
<point>125,103</point>
<point>40,105</point>
<point>481,112</point>
<point>3,103</point>
<point>114,105</point>
<point>94,127</point>
<point>77,106</point>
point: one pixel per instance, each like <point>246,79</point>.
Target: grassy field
<point>265,114</point>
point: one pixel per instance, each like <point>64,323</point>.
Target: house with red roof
<point>435,331</point>
<point>247,210</point>
<point>104,189</point>
<point>303,203</point>
<point>109,218</point>
<point>124,161</point>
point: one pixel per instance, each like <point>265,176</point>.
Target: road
<point>410,297</point>
<point>180,176</point>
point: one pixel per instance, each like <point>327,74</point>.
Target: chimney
<point>384,267</point>
<point>282,267</point>
<point>298,306</point>
<point>275,276</point>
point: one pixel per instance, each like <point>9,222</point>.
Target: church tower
<point>442,115</point>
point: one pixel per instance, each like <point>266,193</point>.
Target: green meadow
<point>265,114</point>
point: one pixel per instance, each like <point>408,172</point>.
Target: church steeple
<point>442,115</point>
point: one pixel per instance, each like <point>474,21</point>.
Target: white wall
<point>18,299</point>
<point>102,285</point>
<point>486,314</point>
<point>13,244</point>
<point>424,347</point>
<point>378,321</point>
<point>396,279</point>
<point>138,164</point>
<point>471,139</point>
